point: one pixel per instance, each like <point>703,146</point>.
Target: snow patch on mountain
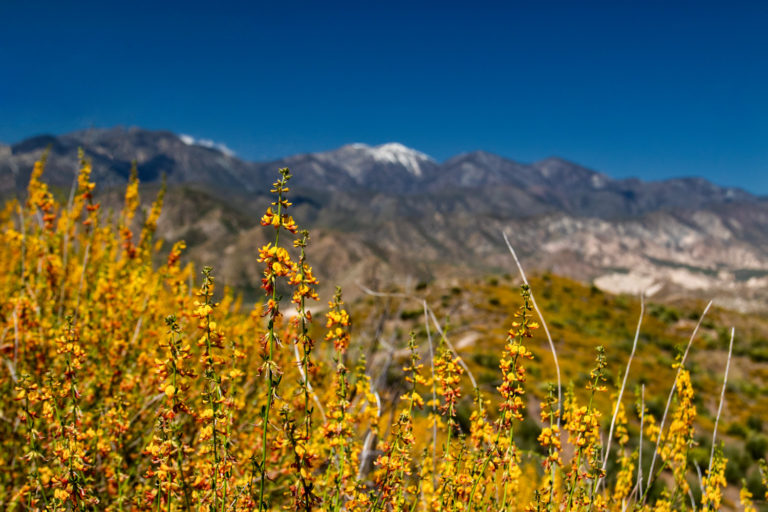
<point>354,157</point>
<point>206,143</point>
<point>396,153</point>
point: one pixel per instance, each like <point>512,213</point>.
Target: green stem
<point>212,387</point>
<point>271,342</point>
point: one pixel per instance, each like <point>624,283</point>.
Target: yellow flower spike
<point>745,498</point>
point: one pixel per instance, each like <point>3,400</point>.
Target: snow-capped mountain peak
<point>396,153</point>
<point>359,159</point>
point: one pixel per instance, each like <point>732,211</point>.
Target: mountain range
<point>388,213</point>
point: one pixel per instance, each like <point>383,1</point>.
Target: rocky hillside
<point>404,216</point>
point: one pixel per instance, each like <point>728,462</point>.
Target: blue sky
<point>647,89</point>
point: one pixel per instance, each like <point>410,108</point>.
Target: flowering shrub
<point>129,387</point>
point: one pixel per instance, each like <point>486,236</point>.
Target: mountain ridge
<point>103,138</point>
<point>388,210</point>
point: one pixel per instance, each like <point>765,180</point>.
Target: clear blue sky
<point>628,88</point>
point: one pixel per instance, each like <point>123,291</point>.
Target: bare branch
<point>722,398</point>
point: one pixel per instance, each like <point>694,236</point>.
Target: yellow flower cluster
<point>679,437</point>
<point>714,482</point>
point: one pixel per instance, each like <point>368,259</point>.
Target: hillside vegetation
<point>133,385</point>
